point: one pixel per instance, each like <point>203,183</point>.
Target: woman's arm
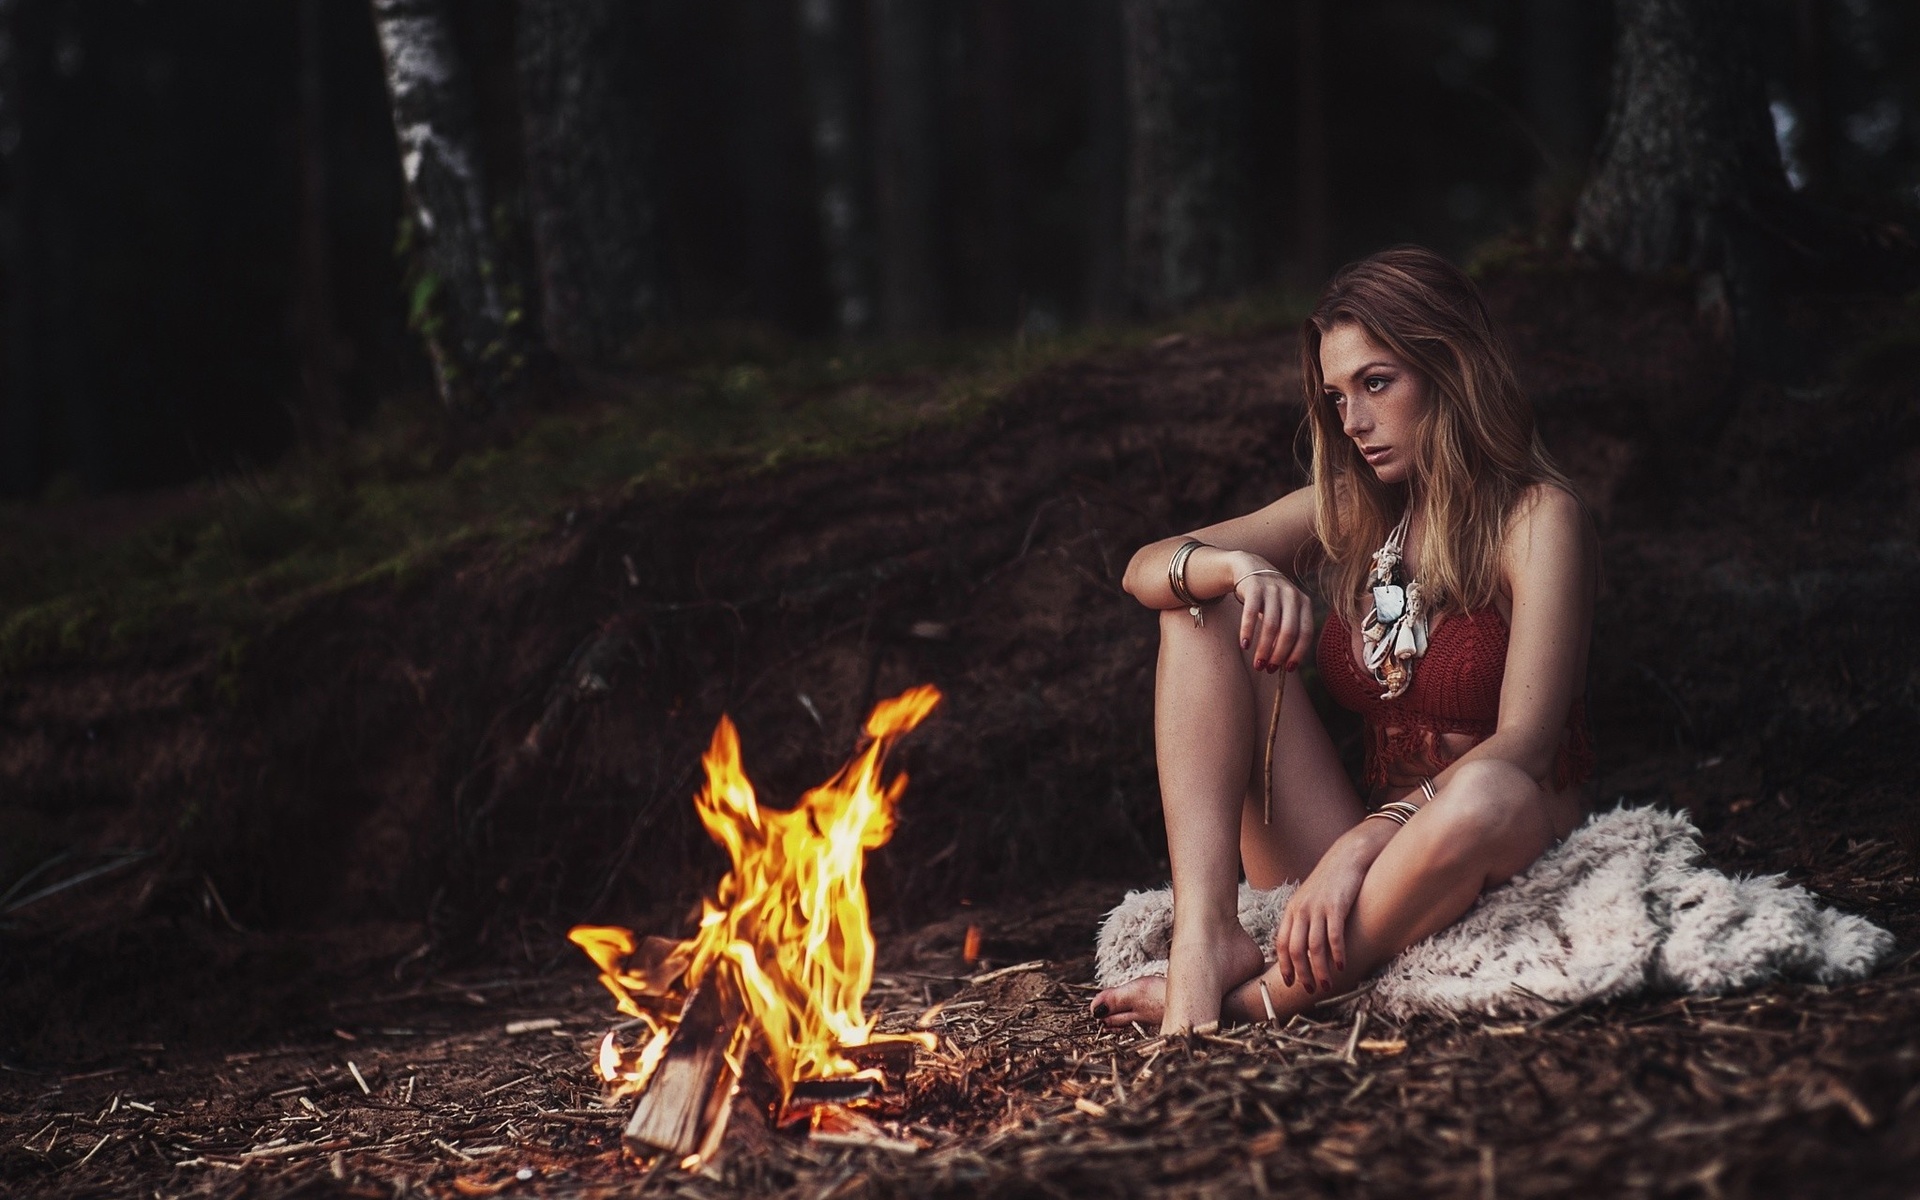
<point>1552,570</point>
<point>1274,535</point>
<point>1276,618</point>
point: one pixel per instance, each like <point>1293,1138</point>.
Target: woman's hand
<point>1311,943</point>
<point>1276,617</point>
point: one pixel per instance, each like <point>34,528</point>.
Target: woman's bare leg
<point>1488,824</point>
<point>1203,704</point>
<point>1313,800</point>
<point>1210,710</point>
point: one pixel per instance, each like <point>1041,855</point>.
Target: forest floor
<point>335,862</point>
<point>475,1084</point>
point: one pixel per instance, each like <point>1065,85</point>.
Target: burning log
<point>684,1108</point>
<point>774,982</point>
<point>893,1057</point>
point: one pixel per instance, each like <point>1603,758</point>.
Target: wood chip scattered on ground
<point>1785,1088</point>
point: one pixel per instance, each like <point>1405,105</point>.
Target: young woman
<point>1460,571</point>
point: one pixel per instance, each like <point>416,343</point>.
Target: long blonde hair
<point>1476,449</point>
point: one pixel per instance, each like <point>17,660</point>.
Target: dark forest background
<point>206,259</point>
<point>421,420</point>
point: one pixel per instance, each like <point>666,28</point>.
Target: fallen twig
<point>1017,968</point>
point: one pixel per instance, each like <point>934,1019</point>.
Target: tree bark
<point>316,339</point>
<point>1187,235</point>
<point>1561,104</point>
<point>466,301</point>
<point>19,403</point>
<point>841,159</point>
<point>1813,19</point>
<point>1106,270</point>
<point>1688,156</point>
<point>589,183</point>
<point>997,286</point>
<point>906,168</point>
<point>1312,181</point>
<point>768,158</point>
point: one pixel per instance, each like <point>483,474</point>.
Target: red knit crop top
<point>1455,689</point>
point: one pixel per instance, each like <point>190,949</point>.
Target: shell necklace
<point>1395,632</point>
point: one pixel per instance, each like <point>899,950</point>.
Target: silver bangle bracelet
<point>1177,572</point>
<point>1261,571</point>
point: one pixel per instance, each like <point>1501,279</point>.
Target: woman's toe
<point>1137,1000</point>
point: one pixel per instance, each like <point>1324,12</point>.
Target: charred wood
<point>686,1103</point>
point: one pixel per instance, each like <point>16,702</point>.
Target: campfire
<point>767,996</point>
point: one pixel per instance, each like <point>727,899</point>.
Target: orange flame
<point>788,924</point>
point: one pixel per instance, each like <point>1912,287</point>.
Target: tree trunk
<point>465,303</point>
<point>595,218</point>
<point>1187,235</point>
<point>1561,105</point>
<point>1814,141</point>
<point>19,402</point>
<point>999,300</point>
<point>905,176</point>
<point>768,159</point>
<point>1312,181</point>
<point>1106,274</point>
<point>829,42</point>
<point>1688,156</point>
<point>1564,102</point>
<point>316,340</point>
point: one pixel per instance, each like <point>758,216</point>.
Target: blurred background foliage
<point>216,295</point>
<point>154,154</point>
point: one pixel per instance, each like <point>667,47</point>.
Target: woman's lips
<point>1375,454</point>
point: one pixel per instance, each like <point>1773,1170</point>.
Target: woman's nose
<point>1357,420</point>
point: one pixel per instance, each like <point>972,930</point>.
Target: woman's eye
<point>1377,383</point>
<point>1336,399</point>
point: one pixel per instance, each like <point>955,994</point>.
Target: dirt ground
<point>1787,1090</point>
<point>359,839</point>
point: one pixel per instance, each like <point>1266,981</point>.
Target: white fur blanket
<point>1622,906</point>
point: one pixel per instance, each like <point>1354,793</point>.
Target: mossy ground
<point>687,408</point>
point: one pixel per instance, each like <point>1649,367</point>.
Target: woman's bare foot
<point>1143,1000</point>
<point>1201,972</point>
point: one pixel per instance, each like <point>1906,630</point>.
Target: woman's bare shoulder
<point>1549,508</point>
<point>1550,524</point>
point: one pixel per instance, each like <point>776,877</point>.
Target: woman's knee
<point>1218,634</point>
<point>1490,780</point>
<point>1489,814</point>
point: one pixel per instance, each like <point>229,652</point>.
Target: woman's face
<point>1379,399</point>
